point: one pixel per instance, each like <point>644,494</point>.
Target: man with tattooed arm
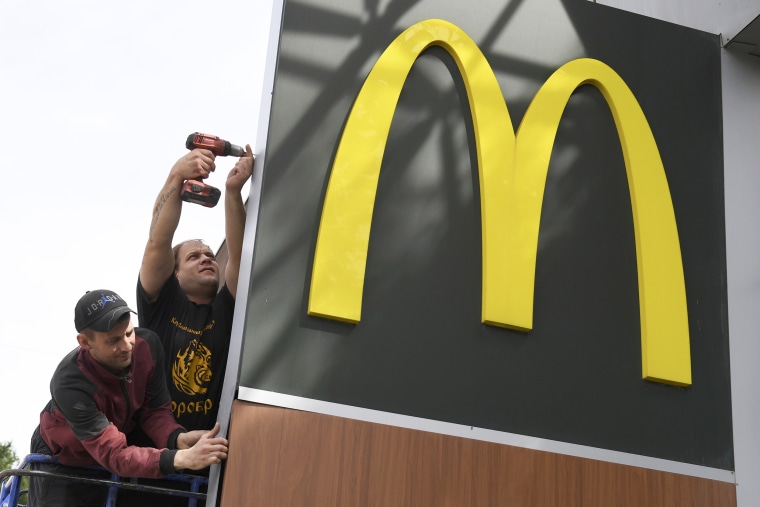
<point>178,293</point>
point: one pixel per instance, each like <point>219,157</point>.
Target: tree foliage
<point>9,459</point>
<point>8,456</point>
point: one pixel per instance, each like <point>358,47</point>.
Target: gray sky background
<point>97,101</point>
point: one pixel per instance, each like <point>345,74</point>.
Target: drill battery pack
<point>198,192</point>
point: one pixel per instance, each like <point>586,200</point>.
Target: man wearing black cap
<point>111,384</point>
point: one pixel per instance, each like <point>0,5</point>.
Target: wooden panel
<point>283,457</point>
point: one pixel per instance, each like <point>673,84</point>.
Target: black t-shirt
<point>196,340</point>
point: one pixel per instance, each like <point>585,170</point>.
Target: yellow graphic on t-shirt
<point>191,369</point>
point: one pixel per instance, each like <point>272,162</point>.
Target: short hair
<point>175,250</point>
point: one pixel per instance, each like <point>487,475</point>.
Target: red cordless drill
<point>195,191</point>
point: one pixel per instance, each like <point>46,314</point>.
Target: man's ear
<point>84,342</point>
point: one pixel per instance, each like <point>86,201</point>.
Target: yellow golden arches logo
<point>512,172</point>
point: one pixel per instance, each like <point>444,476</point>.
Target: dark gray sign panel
<point>420,348</point>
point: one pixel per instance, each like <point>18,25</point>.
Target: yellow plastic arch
<point>341,253</point>
<point>662,295</point>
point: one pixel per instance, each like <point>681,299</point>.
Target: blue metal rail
<point>10,490</point>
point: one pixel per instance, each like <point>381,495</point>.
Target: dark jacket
<point>92,410</point>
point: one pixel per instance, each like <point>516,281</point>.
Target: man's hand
<point>194,165</point>
<point>208,450</point>
<point>189,438</point>
<point>241,172</point>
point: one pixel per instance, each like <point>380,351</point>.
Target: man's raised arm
<point>158,261</point>
<point>234,217</point>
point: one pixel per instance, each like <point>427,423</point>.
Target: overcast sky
<point>97,101</point>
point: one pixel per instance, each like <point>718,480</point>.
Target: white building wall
<point>741,124</point>
<point>725,17</point>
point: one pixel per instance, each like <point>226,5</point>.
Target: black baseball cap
<point>99,310</point>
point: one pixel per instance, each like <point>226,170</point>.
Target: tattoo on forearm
<point>159,206</point>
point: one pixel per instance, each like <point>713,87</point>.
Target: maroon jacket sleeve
<point>109,448</point>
